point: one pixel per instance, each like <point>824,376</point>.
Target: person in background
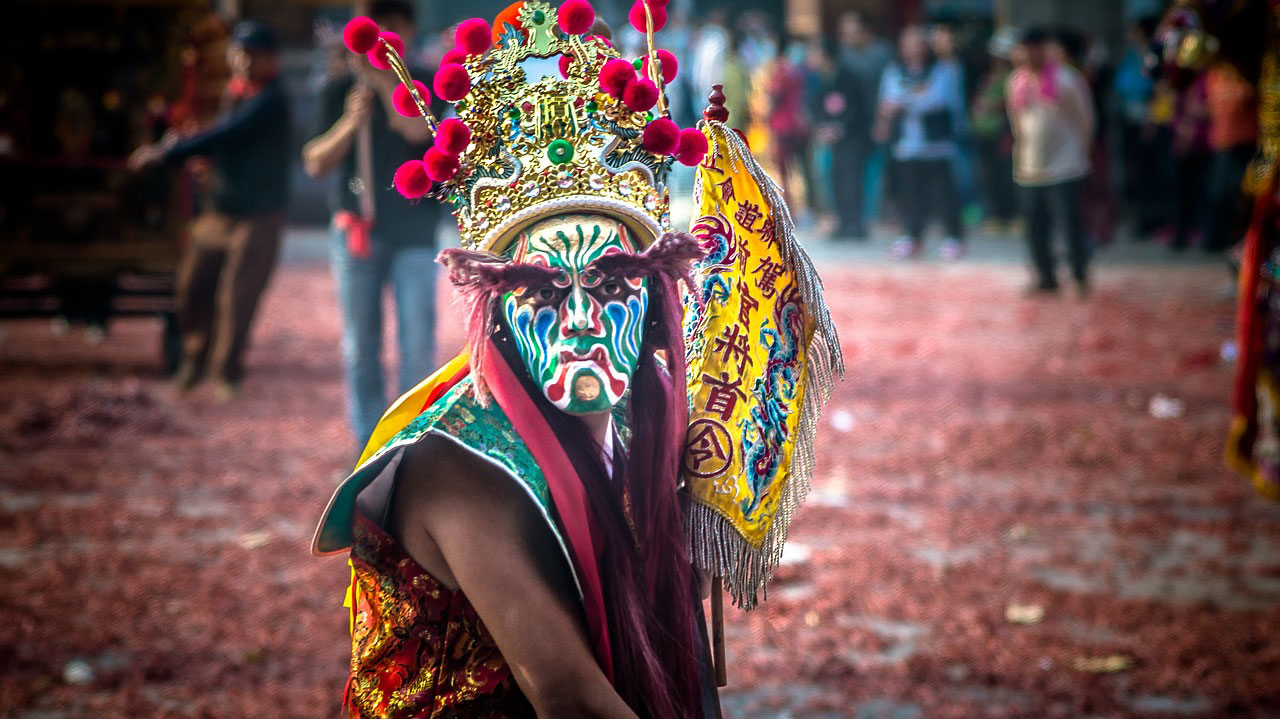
<point>784,84</point>
<point>737,83</point>
<point>919,101</point>
<point>710,52</point>
<point>1082,53</point>
<point>1133,90</point>
<point>380,239</point>
<point>234,244</point>
<point>1233,137</point>
<point>1052,117</point>
<point>863,57</point>
<point>943,43</point>
<point>1191,164</point>
<point>993,139</point>
<point>838,109</point>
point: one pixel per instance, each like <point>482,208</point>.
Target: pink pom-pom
<point>564,63</point>
<point>453,136</point>
<point>452,83</point>
<point>603,39</point>
<point>360,34</point>
<point>615,75</point>
<point>411,179</point>
<point>402,99</point>
<point>456,56</point>
<point>441,166</point>
<point>576,16</point>
<point>640,95</point>
<point>636,16</point>
<point>661,137</point>
<point>667,62</point>
<point>378,55</point>
<point>692,147</point>
<point>474,36</point>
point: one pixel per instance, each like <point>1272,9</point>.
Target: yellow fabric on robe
<point>410,405</point>
<point>397,417</point>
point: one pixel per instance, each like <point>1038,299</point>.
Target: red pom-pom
<point>473,36</point>
<point>411,179</point>
<point>453,136</point>
<point>667,62</point>
<point>692,147</point>
<point>661,137</point>
<point>576,16</point>
<point>360,34</point>
<point>640,95</point>
<point>456,56</point>
<point>378,55</point>
<point>615,75</point>
<point>564,62</point>
<point>440,165</point>
<point>402,99</point>
<point>636,16</point>
<point>603,39</point>
<point>452,83</point>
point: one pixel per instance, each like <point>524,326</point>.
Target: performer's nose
<point>577,312</point>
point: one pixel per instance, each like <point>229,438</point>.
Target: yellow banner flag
<point>762,356</point>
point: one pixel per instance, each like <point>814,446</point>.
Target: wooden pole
<point>717,631</point>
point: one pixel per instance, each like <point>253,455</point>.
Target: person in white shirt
<point>1052,115</point>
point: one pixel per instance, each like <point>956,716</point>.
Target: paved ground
<point>1020,511</point>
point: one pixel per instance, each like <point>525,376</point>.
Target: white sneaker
<point>951,250</point>
<point>904,248</point>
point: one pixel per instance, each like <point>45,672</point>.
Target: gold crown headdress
<point>527,144</point>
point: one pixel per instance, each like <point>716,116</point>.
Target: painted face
<point>580,334</point>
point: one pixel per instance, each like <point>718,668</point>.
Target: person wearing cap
<point>234,241</point>
<point>1051,112</point>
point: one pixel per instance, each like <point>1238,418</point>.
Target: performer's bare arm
<point>472,528</point>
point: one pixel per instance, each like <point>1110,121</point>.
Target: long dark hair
<point>649,587</point>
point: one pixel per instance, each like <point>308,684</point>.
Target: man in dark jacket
<point>235,241</point>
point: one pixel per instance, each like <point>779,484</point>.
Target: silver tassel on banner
<point>716,546</point>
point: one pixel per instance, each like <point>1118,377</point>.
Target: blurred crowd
<point>946,129</point>
<point>944,123</point>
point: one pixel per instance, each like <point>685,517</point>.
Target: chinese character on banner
<point>748,304</point>
<point>769,231</point>
<point>748,215</point>
<point>733,344</point>
<point>769,272</point>
<point>722,396</point>
<point>726,189</point>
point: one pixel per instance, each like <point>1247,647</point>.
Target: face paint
<point>580,334</point>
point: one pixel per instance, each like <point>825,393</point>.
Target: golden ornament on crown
<point>550,120</point>
<point>549,145</point>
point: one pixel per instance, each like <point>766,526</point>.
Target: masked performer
<point>518,539</point>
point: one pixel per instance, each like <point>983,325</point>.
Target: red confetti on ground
<point>985,451</point>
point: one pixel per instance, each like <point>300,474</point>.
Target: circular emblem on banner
<point>708,448</point>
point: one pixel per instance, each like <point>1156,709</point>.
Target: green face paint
<point>580,334</point>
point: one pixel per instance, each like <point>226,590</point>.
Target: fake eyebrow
<point>674,254</point>
<point>475,271</point>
